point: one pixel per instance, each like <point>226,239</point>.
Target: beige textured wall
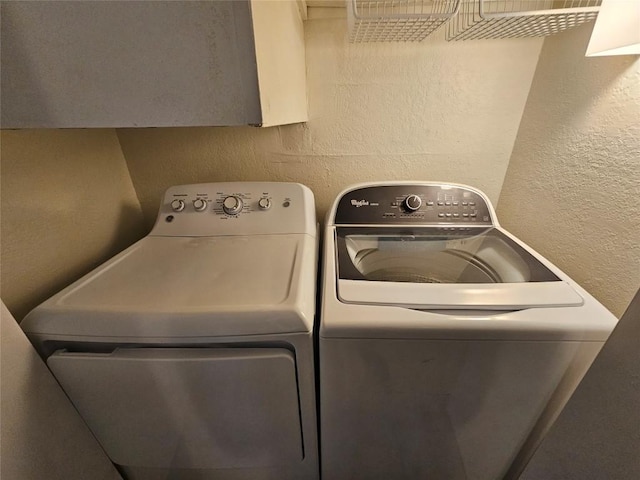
<point>67,204</point>
<point>434,110</point>
<point>572,190</point>
<point>42,435</point>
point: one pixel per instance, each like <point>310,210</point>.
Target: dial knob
<point>232,205</point>
<point>200,204</point>
<point>412,203</point>
<point>264,203</point>
<point>177,205</point>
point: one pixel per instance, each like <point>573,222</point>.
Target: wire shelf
<point>397,20</point>
<point>518,18</point>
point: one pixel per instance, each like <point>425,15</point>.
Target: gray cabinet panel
<point>128,64</point>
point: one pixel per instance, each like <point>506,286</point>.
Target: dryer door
<point>187,408</point>
<point>444,267</point>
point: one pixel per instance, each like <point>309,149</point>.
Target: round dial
<point>200,204</point>
<point>264,203</point>
<point>177,205</point>
<point>232,205</point>
<point>412,203</point>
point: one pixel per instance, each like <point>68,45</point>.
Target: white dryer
<point>447,347</point>
<point>190,354</point>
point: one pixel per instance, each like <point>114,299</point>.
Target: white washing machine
<point>447,347</point>
<point>190,354</point>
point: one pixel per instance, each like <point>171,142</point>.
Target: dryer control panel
<point>236,208</point>
<point>419,203</point>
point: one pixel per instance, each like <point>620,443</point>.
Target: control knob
<point>412,203</point>
<point>264,203</point>
<point>177,205</point>
<point>200,204</point>
<point>232,205</point>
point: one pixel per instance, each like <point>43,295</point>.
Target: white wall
<point>426,111</point>
<point>572,190</point>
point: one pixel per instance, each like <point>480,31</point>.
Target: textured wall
<point>67,204</point>
<point>573,184</point>
<point>427,111</point>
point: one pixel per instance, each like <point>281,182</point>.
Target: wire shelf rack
<point>518,18</point>
<point>397,20</point>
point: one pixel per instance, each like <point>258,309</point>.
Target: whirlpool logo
<point>362,203</point>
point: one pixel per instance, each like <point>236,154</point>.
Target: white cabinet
<point>152,64</point>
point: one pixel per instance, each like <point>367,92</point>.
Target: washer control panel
<point>236,208</point>
<point>414,204</point>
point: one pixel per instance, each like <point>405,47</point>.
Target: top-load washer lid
<point>427,245</point>
<point>435,255</point>
<point>444,267</point>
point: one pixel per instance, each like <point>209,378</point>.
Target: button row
<point>232,205</point>
<point>199,205</point>
<point>431,203</point>
<point>457,215</point>
<point>455,229</point>
<point>454,204</point>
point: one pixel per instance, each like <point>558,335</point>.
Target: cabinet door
<point>128,64</point>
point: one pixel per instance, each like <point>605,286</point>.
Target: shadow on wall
<point>585,81</point>
<point>574,167</point>
<point>129,228</point>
